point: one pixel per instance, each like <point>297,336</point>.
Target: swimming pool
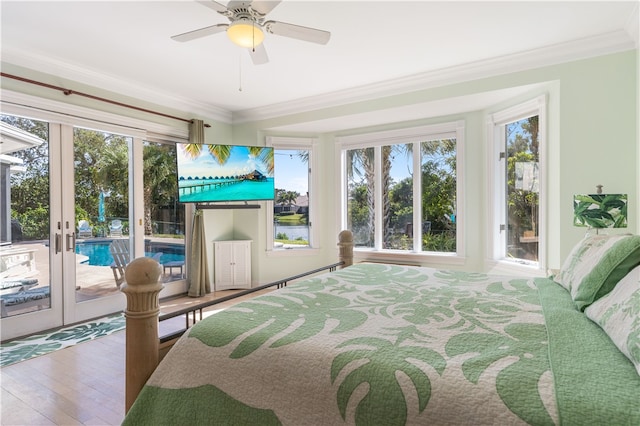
<point>98,252</point>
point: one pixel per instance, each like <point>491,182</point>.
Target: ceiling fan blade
<point>299,32</point>
<point>264,6</point>
<point>202,32</point>
<point>220,8</point>
<point>259,55</point>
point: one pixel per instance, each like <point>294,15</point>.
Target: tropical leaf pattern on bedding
<point>369,344</point>
<point>476,314</point>
<point>517,384</point>
<point>308,312</point>
<point>382,361</point>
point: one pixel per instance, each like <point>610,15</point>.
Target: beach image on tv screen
<point>210,173</point>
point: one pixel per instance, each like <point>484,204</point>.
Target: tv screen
<point>210,173</point>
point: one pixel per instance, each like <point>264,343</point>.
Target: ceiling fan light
<point>245,34</point>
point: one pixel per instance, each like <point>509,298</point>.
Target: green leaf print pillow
<point>596,264</point>
<point>618,313</point>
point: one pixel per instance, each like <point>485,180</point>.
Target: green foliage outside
<point>34,222</point>
<point>282,237</point>
<point>291,218</point>
<point>522,203</point>
<point>285,197</point>
<point>101,165</point>
<point>30,189</point>
<point>438,185</point>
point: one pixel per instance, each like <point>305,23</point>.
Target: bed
<point>384,344</point>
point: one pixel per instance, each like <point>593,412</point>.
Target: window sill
<point>507,267</point>
<point>285,252</point>
<point>432,259</point>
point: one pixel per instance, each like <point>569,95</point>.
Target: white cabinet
<point>232,264</point>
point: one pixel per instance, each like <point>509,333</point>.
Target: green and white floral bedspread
<point>377,344</point>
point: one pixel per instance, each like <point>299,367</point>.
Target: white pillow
<point>618,313</point>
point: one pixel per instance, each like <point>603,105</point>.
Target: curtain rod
<point>69,92</point>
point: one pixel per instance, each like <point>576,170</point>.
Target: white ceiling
<point>375,47</point>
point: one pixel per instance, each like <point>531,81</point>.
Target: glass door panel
<point>26,247</point>
<point>24,256</point>
<point>101,182</point>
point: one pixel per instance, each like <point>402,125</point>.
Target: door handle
<point>58,243</point>
<point>71,237</point>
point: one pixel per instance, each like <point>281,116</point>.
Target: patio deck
<point>91,281</point>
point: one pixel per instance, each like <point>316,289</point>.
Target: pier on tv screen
<point>212,173</point>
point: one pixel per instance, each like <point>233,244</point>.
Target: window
<point>518,193</point>
<point>360,195</point>
<point>290,222</point>
<point>387,206</point>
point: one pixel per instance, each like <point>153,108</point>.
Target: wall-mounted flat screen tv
<point>212,173</point>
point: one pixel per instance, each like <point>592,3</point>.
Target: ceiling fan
<point>247,27</point>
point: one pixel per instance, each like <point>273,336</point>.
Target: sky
<point>239,163</point>
<point>401,167</point>
<point>290,171</point>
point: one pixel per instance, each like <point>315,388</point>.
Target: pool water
<point>98,253</point>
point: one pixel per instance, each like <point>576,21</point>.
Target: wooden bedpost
<point>141,287</point>
<point>345,242</point>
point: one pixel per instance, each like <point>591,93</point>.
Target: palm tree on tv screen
<point>221,153</point>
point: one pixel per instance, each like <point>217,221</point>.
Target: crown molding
<point>585,48</point>
<point>613,42</point>
<point>111,83</point>
<point>633,23</point>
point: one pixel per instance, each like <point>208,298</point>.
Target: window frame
<point>409,135</point>
<point>497,245</point>
<point>310,145</point>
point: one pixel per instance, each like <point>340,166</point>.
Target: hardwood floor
<point>81,385</point>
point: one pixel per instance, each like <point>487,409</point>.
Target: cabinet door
<point>232,264</point>
<point>242,264</point>
<point>223,265</point>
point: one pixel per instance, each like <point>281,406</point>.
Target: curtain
<point>199,272</point>
<point>196,131</point>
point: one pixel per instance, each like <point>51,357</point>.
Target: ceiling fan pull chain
<point>239,73</point>
<point>250,15</point>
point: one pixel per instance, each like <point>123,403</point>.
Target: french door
<point>58,177</point>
